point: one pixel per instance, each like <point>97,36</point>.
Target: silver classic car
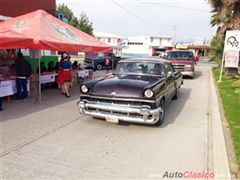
<point>138,91</point>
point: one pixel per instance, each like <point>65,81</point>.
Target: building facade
<point>112,40</point>
<point>136,45</point>
<point>199,46</point>
<point>14,8</point>
<point>147,45</point>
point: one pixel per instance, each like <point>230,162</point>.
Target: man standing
<point>23,71</point>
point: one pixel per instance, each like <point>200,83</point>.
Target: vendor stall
<point>83,73</point>
<point>29,31</point>
<point>8,87</point>
<point>48,77</point>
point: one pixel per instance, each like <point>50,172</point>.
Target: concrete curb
<point>220,158</point>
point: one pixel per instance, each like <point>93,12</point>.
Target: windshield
<point>181,55</point>
<point>142,68</point>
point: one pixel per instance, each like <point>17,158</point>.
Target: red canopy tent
<point>13,39</point>
<point>40,30</point>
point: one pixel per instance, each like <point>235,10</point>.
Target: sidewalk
<point>220,157</point>
<point>23,121</point>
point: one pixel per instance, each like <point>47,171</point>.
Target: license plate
<point>112,119</point>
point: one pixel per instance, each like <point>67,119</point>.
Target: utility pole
<point>175,28</point>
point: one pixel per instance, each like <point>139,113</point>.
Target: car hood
<point>131,86</point>
<point>180,62</point>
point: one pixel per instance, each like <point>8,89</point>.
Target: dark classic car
<point>98,62</point>
<point>138,92</point>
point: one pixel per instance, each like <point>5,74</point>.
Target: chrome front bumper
<point>130,113</point>
<point>187,73</point>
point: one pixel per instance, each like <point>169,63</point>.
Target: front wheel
<point>192,77</point>
<point>99,67</point>
<point>161,114</point>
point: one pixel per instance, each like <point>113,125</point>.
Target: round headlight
<point>84,89</point>
<point>148,93</point>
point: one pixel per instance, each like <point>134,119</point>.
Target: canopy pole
<point>39,76</point>
<point>112,63</point>
<point>35,86</point>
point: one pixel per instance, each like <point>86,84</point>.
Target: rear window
<point>180,55</point>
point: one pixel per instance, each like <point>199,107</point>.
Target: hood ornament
<point>113,93</point>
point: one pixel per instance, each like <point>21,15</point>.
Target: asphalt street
<point>59,143</point>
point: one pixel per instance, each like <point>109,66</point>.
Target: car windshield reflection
<point>136,68</point>
<point>180,55</point>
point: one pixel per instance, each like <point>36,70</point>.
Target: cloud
<point>138,17</point>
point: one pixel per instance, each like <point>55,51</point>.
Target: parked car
<point>98,62</point>
<point>182,61</point>
<point>138,91</point>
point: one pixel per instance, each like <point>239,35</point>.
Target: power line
<point>136,16</point>
<point>177,7</point>
<point>153,2</point>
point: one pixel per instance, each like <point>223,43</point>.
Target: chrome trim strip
<point>118,99</point>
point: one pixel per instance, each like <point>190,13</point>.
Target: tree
<point>72,20</point>
<point>216,49</point>
<point>216,19</point>
<point>226,16</point>
<point>84,24</point>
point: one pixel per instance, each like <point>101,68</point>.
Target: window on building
<point>134,43</point>
<point>109,40</point>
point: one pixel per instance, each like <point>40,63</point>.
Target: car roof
<point>179,51</point>
<point>145,59</point>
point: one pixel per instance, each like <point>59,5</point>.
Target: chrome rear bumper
<point>130,113</point>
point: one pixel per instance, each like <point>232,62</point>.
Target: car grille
<point>112,101</point>
<point>117,112</point>
<point>179,67</point>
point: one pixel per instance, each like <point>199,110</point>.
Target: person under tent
<point>65,76</point>
<point>42,68</point>
<point>23,71</point>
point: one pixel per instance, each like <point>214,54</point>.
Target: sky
<point>184,20</point>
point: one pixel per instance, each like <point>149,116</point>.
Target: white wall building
<point>201,41</point>
<point>136,45</point>
<point>146,45</point>
<point>111,39</point>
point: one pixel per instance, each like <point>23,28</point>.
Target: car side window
<point>168,68</point>
<point>165,68</point>
<point>171,68</point>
